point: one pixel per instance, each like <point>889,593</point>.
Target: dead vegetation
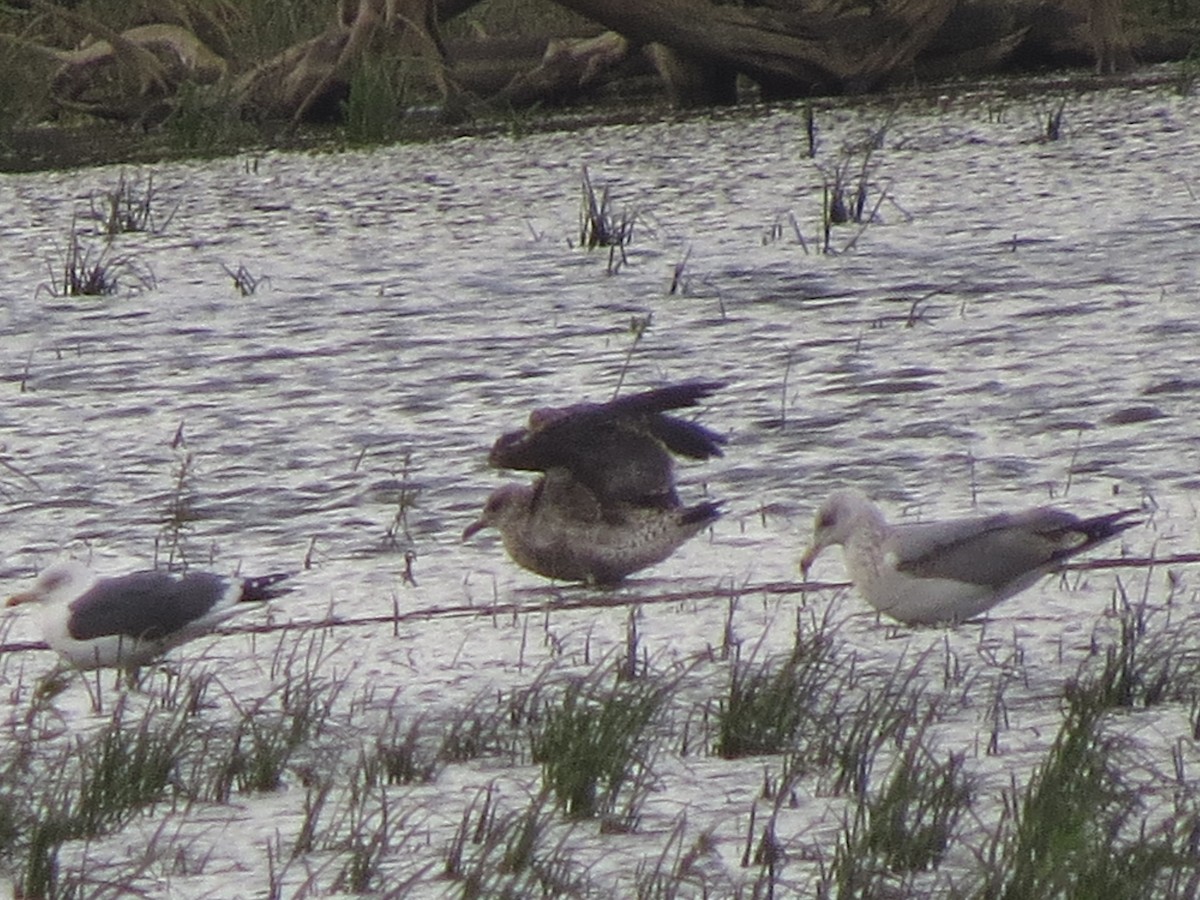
<point>140,62</point>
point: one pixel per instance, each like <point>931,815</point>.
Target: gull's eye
<point>55,580</point>
<point>827,519</point>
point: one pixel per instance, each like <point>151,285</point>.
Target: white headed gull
<point>129,620</point>
<point>945,572</point>
<point>606,505</point>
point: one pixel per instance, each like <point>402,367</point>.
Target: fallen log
<point>793,51</point>
<point>127,75</point>
<point>311,79</point>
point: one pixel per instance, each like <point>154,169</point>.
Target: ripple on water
<point>1019,320</point>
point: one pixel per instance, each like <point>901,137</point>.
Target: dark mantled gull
<point>946,572</point>
<point>606,505</point>
<point>129,620</point>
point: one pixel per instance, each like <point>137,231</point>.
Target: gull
<point>946,572</point>
<point>129,620</point>
<point>620,450</point>
<point>606,504</point>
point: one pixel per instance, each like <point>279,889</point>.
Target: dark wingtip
<point>690,439</point>
<point>702,513</point>
<point>1103,527</point>
<point>671,396</point>
<point>553,433</point>
<point>699,389</point>
<point>263,587</point>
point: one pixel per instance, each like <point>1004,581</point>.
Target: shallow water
<point>1018,323</point>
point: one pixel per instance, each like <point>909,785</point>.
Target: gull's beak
<point>24,597</point>
<point>809,557</point>
<point>477,525</point>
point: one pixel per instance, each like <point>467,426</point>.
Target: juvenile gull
<point>620,450</point>
<point>606,505</point>
<point>129,620</point>
<point>945,572</point>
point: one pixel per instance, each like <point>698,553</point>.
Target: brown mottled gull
<point>606,505</point>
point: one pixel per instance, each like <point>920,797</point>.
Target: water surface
<point>1019,323</point>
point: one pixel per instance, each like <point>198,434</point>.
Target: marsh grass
<point>179,514</point>
<point>1187,73</point>
<point>269,731</point>
<point>244,282</point>
<point>129,208</point>
<point>481,729</point>
<point>638,326</point>
<point>593,742</point>
<point>1151,662</point>
<point>676,872</point>
<point>494,725</point>
<point>511,853</point>
<point>364,829</point>
<point>912,820</point>
<point>204,119</point>
<point>864,720</point>
<point>1061,820</point>
<point>769,856</point>
<point>96,784</point>
<point>260,752</point>
<point>903,827</point>
<point>374,110</point>
<point>85,271</point>
<point>1081,828</point>
<point>770,704</point>
<point>767,706</point>
<point>406,500</point>
<point>873,745</point>
<point>124,767</point>
<point>400,756</point>
<point>854,870</point>
<point>847,186</point>
<point>1053,129</point>
<point>810,131</point>
<point>776,230</point>
<point>600,226</point>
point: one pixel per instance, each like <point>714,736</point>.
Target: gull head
<point>508,503</point>
<point>842,514</point>
<point>59,583</point>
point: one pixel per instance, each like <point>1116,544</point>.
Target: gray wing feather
<point>992,551</point>
<point>145,605</point>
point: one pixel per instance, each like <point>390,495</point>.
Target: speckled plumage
<point>606,505</point>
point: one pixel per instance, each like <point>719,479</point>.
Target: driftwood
<point>699,49</point>
<point>154,59</point>
<point>788,48</point>
<point>310,79</point>
<point>569,68</point>
<point>128,75</point>
<point>788,51</point>
<point>795,48</point>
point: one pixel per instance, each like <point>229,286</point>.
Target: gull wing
<point>997,550</point>
<point>620,450</point>
<point>144,605</point>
